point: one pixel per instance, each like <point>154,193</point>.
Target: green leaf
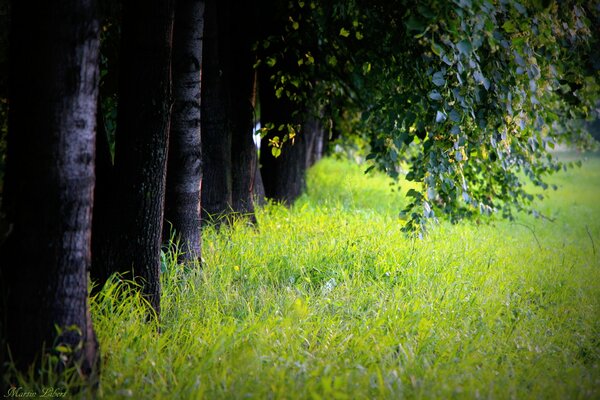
<point>438,79</point>
<point>435,95</point>
<point>414,25</point>
<point>509,27</point>
<point>440,117</point>
<point>409,119</point>
<point>464,46</point>
<point>454,116</point>
<point>479,78</point>
<point>437,49</point>
<point>276,151</point>
<point>62,349</point>
<point>366,68</point>
<point>413,193</point>
<point>344,32</point>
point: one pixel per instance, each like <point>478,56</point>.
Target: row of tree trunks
<point>53,146</point>
<point>284,177</point>
<point>184,170</point>
<point>216,130</point>
<point>229,153</point>
<point>244,153</point>
<point>50,181</point>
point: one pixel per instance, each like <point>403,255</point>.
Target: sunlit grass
<point>329,300</point>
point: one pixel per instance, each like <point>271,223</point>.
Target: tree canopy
<point>467,96</point>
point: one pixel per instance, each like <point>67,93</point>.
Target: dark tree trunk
<point>216,127</point>
<point>229,154</point>
<point>141,145</point>
<point>104,208</point>
<point>104,228</point>
<point>315,140</point>
<point>244,155</point>
<point>284,177</point>
<point>184,172</point>
<point>50,180</point>
<point>258,188</point>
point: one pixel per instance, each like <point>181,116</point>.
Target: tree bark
<point>184,171</point>
<point>284,177</point>
<point>141,142</point>
<point>244,155</point>
<point>216,127</point>
<point>315,139</point>
<point>50,181</point>
<point>104,208</point>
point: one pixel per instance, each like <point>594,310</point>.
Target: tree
<point>284,175</point>
<point>216,129</point>
<point>468,95</point>
<point>133,243</point>
<point>244,156</point>
<point>282,113</point>
<point>229,153</point>
<point>49,183</point>
<point>184,171</point>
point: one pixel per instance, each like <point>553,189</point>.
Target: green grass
<point>329,300</point>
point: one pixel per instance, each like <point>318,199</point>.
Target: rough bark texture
<point>184,171</point>
<point>229,154</point>
<point>244,156</point>
<point>216,127</point>
<point>50,180</point>
<point>141,142</point>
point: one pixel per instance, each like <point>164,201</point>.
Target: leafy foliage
<point>471,95</point>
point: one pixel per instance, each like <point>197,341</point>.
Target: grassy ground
<point>329,300</point>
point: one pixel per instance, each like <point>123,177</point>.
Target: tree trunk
<point>244,155</point>
<point>184,172</point>
<point>104,228</point>
<point>50,181</point>
<point>216,129</point>
<point>315,139</point>
<point>284,177</point>
<point>258,187</point>
<point>104,208</point>
<point>143,118</point>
